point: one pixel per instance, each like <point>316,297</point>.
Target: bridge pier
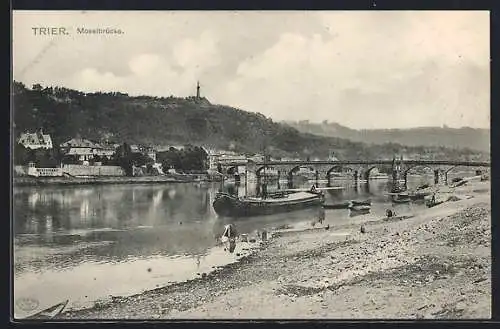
<point>440,176</point>
<point>366,187</point>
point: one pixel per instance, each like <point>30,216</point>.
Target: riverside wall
<point>81,170</point>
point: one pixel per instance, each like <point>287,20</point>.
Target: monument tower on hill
<point>198,91</point>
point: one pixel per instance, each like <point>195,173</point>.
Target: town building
<point>144,150</point>
<point>84,150</point>
<point>36,140</point>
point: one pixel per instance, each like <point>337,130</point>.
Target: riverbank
<point>56,181</point>
<point>436,264</point>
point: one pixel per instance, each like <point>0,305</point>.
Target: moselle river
<point>87,243</point>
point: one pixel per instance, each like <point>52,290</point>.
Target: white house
<point>84,149</point>
<point>36,140</point>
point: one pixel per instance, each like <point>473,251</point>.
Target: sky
<point>362,69</point>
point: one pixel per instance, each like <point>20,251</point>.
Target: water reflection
<point>79,232</point>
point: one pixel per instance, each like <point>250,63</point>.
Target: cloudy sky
<point>360,69</point>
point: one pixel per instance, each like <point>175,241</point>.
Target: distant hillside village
<point>35,155</point>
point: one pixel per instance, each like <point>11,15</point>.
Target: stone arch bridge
<point>360,169</point>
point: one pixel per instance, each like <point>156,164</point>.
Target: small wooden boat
<point>396,218</point>
<point>360,208</point>
<point>49,313</point>
<point>367,202</point>
<point>460,183</point>
<point>424,186</point>
<point>417,198</point>
<point>432,203</point>
<point>230,205</point>
<point>358,211</point>
<point>401,200</point>
<point>343,205</point>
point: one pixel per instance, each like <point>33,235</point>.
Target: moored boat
<point>395,218</point>
<point>360,208</point>
<point>367,202</point>
<point>50,312</point>
<point>230,205</point>
<point>343,205</point>
<point>433,203</point>
<point>419,195</point>
<point>404,199</point>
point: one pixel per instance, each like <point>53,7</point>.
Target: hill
<point>164,121</point>
<point>476,139</point>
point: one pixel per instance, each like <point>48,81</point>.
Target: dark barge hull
<point>227,205</point>
<point>344,205</point>
<point>361,203</point>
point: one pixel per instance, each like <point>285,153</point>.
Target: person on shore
<point>321,215</point>
<point>229,237</point>
<point>390,213</point>
<point>264,235</point>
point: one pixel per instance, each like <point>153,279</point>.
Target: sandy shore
<point>434,265</point>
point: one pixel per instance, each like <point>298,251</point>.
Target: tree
<point>21,155</point>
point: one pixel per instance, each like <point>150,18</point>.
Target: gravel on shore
<point>434,265</point>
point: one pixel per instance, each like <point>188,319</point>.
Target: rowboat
<point>432,203</point>
<point>229,205</point>
<point>422,187</point>
<point>50,312</point>
<point>395,218</point>
<point>359,211</point>
<point>343,205</point>
<point>459,183</point>
<point>367,202</point>
<point>360,208</point>
<point>401,200</point>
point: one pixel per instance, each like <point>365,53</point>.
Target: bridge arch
<point>231,170</point>
<point>475,169</point>
<point>407,170</point>
<point>298,167</point>
<point>341,167</point>
<point>435,170</point>
<point>366,173</point>
<point>260,169</point>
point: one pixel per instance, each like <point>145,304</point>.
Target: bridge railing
<point>366,162</point>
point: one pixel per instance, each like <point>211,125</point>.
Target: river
<point>87,243</point>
